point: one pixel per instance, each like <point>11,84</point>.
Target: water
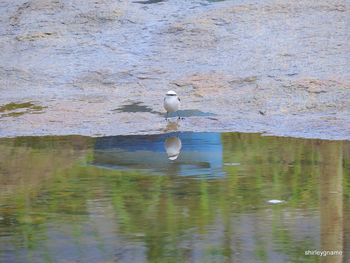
<point>120,199</point>
<point>149,2</point>
<point>139,107</point>
<point>17,109</point>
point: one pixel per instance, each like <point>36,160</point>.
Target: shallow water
<point>139,107</point>
<point>120,199</point>
<point>17,109</point>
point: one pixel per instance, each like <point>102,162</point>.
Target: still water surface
<point>121,199</point>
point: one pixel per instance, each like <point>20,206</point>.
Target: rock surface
<point>276,67</point>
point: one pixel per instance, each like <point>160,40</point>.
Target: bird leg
<point>179,117</point>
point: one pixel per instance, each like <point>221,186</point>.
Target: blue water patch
<point>190,113</point>
<point>139,107</point>
<point>199,154</point>
<point>135,107</point>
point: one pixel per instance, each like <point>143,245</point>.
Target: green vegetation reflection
<point>53,199</point>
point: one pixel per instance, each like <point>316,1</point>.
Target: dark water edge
<point>120,198</point>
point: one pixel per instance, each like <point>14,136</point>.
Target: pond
<point>177,197</point>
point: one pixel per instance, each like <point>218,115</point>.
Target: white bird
<point>275,201</point>
<point>171,103</point>
<point>173,147</point>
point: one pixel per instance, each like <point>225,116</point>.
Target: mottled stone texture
<point>278,67</point>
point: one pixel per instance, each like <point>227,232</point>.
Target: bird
<point>171,103</point>
<point>173,147</point>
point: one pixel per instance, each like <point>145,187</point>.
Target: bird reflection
<point>201,153</point>
<point>172,126</point>
<point>173,147</point>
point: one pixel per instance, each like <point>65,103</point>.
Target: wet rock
<point>83,59</point>
<point>35,36</point>
<point>102,17</point>
<point>207,84</point>
<point>147,2</point>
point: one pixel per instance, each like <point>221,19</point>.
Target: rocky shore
<point>102,67</point>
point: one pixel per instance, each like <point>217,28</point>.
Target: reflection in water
<point>200,156</point>
<point>173,147</point>
<point>57,195</point>
<point>331,199</point>
<point>172,126</point>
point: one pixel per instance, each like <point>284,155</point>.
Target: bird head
<point>171,93</point>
